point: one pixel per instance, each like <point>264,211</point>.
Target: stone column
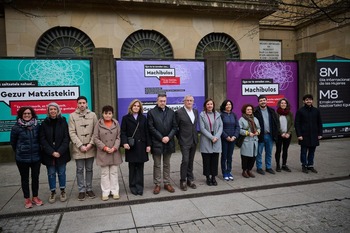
<point>216,76</point>
<point>307,82</point>
<point>104,80</point>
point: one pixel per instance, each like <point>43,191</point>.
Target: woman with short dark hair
<point>107,140</point>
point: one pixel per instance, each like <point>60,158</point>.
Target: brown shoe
<point>169,188</point>
<point>245,174</point>
<point>156,189</point>
<point>183,185</point>
<point>191,184</point>
<point>250,174</point>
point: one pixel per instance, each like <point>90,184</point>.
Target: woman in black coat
<point>134,124</point>
<point>54,139</point>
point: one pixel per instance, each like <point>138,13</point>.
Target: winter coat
<point>206,144</point>
<point>249,147</point>
<point>290,123</point>
<point>162,124</point>
<point>308,124</point>
<point>25,143</point>
<point>58,143</point>
<point>230,125</point>
<point>137,153</point>
<point>110,137</point>
<point>274,123</point>
<point>81,128</point>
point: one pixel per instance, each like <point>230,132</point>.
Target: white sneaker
<point>116,196</point>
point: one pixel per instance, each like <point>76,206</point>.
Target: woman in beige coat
<point>107,140</point>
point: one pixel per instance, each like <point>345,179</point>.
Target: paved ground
<point>285,202</point>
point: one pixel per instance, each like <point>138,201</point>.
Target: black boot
<point>209,181</point>
<point>213,181</point>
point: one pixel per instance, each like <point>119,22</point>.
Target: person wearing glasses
<point>24,140</point>
<point>250,130</point>
<point>162,129</point>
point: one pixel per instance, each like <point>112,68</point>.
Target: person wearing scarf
<point>285,118</point>
<point>250,129</point>
<point>24,140</point>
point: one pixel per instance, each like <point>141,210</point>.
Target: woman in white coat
<point>250,128</point>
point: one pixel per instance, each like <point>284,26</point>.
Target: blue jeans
<point>61,172</point>
<point>307,160</point>
<point>84,185</point>
<point>226,156</point>
<point>267,144</point>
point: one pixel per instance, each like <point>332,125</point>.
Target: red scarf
<point>283,112</point>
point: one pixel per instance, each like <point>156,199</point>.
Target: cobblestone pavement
<point>328,216</point>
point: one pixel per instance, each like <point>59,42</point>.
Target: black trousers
<point>282,142</point>
<point>186,169</point>
<point>24,169</point>
<point>136,176</point>
<point>210,164</point>
<point>247,162</point>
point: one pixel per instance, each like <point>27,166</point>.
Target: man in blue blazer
<point>187,120</point>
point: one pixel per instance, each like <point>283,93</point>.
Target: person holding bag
<point>136,142</point>
<point>107,140</point>
<point>250,128</point>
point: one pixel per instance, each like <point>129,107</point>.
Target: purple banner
<point>143,80</point>
<point>246,80</point>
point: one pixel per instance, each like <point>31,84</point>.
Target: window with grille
<point>64,41</point>
<point>218,42</point>
<point>146,44</point>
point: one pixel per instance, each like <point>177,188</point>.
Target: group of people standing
<point>49,143</point>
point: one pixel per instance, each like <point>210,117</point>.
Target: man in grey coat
<point>187,120</point>
<point>162,128</point>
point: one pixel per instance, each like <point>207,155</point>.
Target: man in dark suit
<point>187,120</point>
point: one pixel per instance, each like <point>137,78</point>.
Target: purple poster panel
<point>143,80</point>
<point>246,80</point>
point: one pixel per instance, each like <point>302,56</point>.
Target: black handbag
<point>131,140</point>
<point>240,140</point>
